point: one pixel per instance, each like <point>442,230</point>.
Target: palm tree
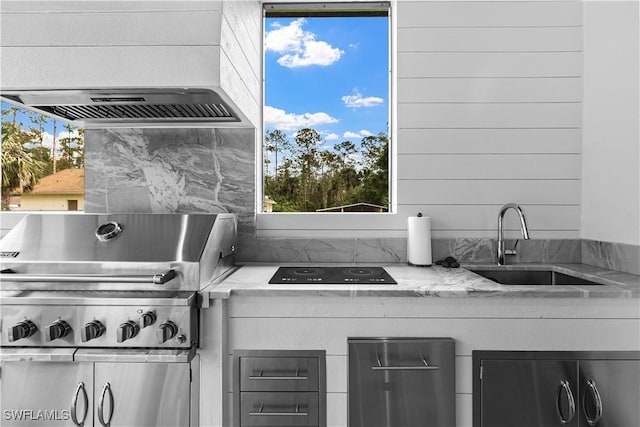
<point>19,168</point>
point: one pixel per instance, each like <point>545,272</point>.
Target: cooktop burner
<point>332,276</point>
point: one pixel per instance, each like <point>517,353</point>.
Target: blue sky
<point>330,74</point>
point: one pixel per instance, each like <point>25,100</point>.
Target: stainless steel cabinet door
<point>142,394</point>
<point>609,393</point>
<point>402,383</point>
<point>529,393</point>
<point>46,394</point>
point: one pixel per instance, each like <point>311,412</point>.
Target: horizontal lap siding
<point>171,28</point>
<point>74,44</point>
<point>489,112</point>
<point>240,62</point>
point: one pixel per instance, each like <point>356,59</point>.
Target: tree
<point>375,171</point>
<point>71,148</point>
<point>19,169</point>
<point>344,150</point>
<point>40,120</point>
<point>308,177</point>
<point>25,158</point>
<point>307,140</point>
<point>275,142</point>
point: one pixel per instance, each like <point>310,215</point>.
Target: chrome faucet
<point>523,224</point>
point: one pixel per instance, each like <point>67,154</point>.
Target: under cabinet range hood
<point>134,63</point>
<point>127,106</point>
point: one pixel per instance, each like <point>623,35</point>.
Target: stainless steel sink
<point>532,277</point>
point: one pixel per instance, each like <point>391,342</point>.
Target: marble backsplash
<point>171,171</point>
<point>613,256</point>
<point>391,250</point>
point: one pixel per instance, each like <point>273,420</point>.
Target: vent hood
<point>140,106</point>
<point>105,64</point>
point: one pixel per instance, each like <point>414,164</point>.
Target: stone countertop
<point>436,281</point>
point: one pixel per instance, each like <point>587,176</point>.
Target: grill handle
<point>156,279</point>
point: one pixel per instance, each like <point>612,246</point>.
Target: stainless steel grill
<point>128,252</point>
<point>87,298</point>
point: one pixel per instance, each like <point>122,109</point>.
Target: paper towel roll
<point>419,241</point>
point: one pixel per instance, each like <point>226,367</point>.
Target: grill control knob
<point>166,331</point>
<point>127,330</point>
<point>92,330</point>
<point>58,329</point>
<point>22,329</point>
<point>147,319</point>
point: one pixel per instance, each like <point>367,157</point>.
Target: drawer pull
<point>424,367</point>
<point>261,376</point>
<point>297,413</point>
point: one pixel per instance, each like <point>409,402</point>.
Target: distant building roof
<point>355,207</point>
<point>67,181</point>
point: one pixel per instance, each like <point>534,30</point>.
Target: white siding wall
<point>75,43</point>
<point>241,53</point>
<point>611,150</point>
<point>488,112</point>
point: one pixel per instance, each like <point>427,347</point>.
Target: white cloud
<point>332,137</point>
<point>65,134</point>
<point>280,119</point>
<point>283,39</point>
<point>357,100</point>
<point>47,138</point>
<point>300,48</point>
<point>349,134</point>
<point>363,133</point>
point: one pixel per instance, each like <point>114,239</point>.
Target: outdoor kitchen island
<point>427,302</point>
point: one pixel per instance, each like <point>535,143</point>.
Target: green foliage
<point>20,170</point>
<point>307,177</point>
<point>25,159</point>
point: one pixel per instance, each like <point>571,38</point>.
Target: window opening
<point>326,112</point>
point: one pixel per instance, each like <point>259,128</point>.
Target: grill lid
<point>141,250</point>
<point>94,106</point>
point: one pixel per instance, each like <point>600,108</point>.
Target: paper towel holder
<point>420,256</point>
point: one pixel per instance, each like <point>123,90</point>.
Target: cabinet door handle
<point>106,389</point>
<point>566,388</point>
<point>424,367</point>
<point>260,412</point>
<point>297,376</point>
<point>593,390</point>
<point>74,405</point>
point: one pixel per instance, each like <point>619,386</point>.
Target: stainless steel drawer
<point>279,374</point>
<point>285,409</point>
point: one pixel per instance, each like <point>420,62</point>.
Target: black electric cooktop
<point>332,276</point>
